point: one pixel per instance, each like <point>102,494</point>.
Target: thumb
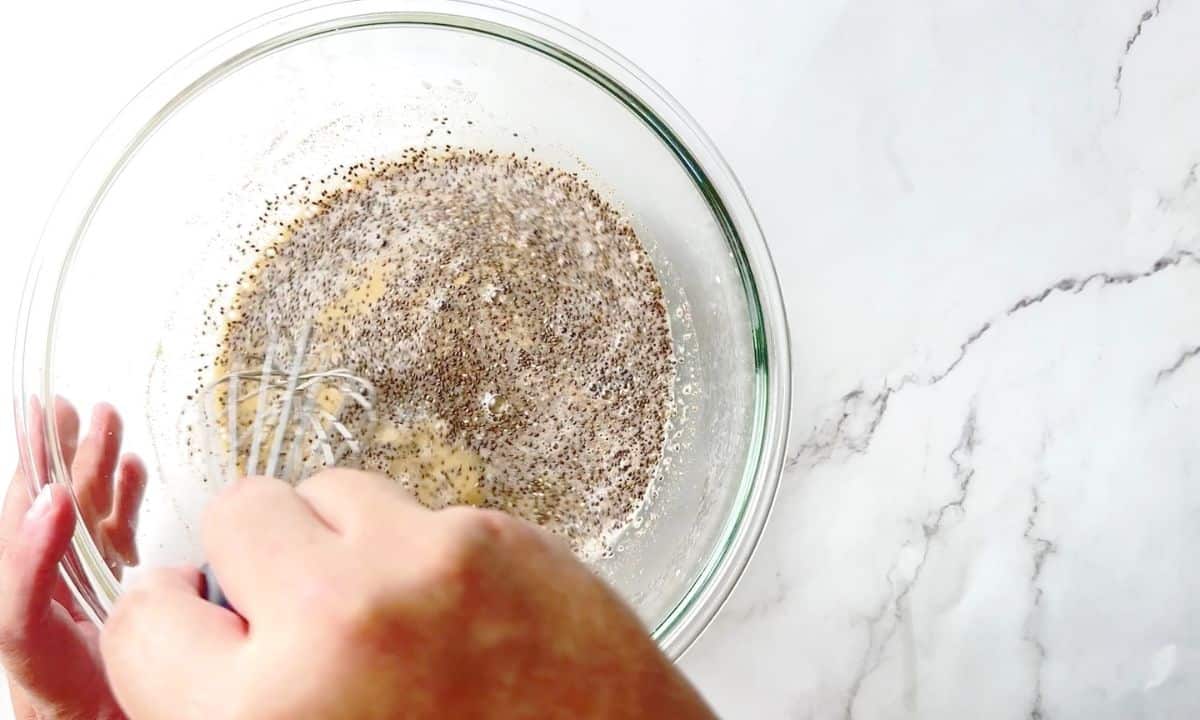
<point>190,644</point>
<point>29,568</point>
<point>41,647</point>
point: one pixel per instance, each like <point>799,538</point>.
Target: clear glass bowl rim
<point>84,570</point>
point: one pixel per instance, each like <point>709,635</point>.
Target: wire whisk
<point>289,412</point>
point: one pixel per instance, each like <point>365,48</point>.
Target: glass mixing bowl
<point>146,229</point>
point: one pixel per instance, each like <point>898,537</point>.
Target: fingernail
<point>41,504</point>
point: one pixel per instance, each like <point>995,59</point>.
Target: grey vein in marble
<point>1182,360</point>
<point>1042,549</point>
<point>963,473</point>
<point>1076,285</point>
<point>1146,17</point>
<point>766,603</point>
<point>1188,182</point>
<point>838,434</point>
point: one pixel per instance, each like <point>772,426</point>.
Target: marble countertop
<point>986,219</point>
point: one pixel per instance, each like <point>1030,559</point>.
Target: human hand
<point>48,647</point>
<point>353,602</point>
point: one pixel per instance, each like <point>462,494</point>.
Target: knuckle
<point>234,496</point>
<point>140,596</point>
<point>248,484</point>
<point>340,478</point>
<point>494,528</point>
<point>132,601</point>
<point>471,528</point>
<point>321,478</point>
<point>469,538</point>
<point>133,606</point>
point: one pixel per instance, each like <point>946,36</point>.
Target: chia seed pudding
<point>508,316</point>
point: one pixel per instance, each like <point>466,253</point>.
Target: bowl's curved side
<point>84,569</point>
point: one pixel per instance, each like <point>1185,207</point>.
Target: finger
<point>163,624</point>
<point>120,528</point>
<point>261,540</point>
<point>62,595</point>
<point>16,502</point>
<point>42,647</point>
<point>95,463</point>
<point>16,499</point>
<point>347,498</point>
<point>29,568</point>
<point>56,667</point>
<point>66,422</point>
<point>34,447</point>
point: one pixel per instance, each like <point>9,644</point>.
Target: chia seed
<point>500,306</point>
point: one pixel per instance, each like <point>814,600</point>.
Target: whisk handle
<point>212,590</point>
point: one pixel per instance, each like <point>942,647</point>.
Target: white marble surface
<point>986,217</point>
